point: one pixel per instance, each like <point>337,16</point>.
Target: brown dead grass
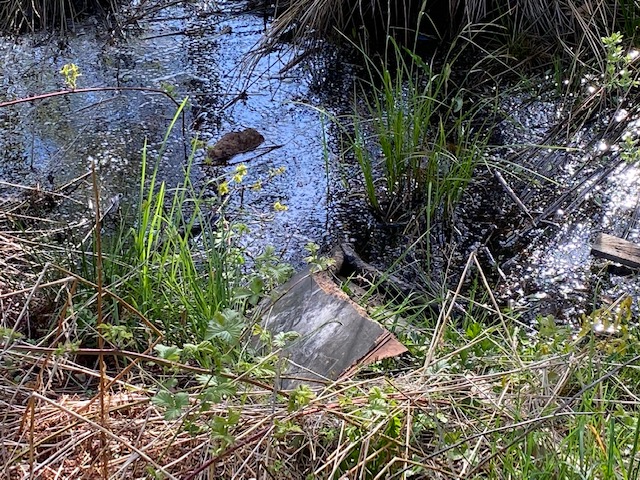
<point>51,425</point>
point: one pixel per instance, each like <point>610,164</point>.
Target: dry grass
<point>433,422</point>
<point>20,15</point>
<point>18,301</point>
<point>56,422</point>
<point>27,231</point>
<point>568,21</point>
<point>51,432</point>
<point>64,413</point>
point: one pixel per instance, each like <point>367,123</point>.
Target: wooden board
<point>617,250</point>
<point>336,334</point>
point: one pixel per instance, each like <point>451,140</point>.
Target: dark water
<point>577,185</point>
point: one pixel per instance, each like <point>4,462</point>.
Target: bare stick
<point>444,315</point>
<point>60,93</point>
<point>512,194</point>
<point>103,368</point>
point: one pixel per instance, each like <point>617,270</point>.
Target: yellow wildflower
<point>279,207</point>
<point>70,72</point>
<point>223,188</point>
<point>256,187</point>
<point>241,171</point>
<point>274,172</point>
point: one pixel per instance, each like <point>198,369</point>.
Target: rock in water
<point>233,143</point>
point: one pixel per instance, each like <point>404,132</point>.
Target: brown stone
<point>233,143</point>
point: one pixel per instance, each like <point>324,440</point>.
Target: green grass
<point>415,141</point>
<point>510,400</point>
<point>177,262</point>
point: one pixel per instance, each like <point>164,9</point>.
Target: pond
<point>195,51</point>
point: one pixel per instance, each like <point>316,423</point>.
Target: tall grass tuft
<point>179,265</point>
<point>416,140</point>
<point>561,22</point>
<point>21,15</point>
<point>178,262</point>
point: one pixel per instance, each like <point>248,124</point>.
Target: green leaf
<point>227,326</point>
<point>205,347</point>
<point>394,426</point>
<point>286,427</point>
<point>256,285</point>
<point>457,105</point>
<point>163,399</point>
<point>300,396</point>
<point>9,334</point>
<point>220,427</point>
<point>206,380</point>
<point>119,335</point>
<point>473,330</point>
<point>282,339</point>
<point>217,388</point>
<point>172,403</point>
<point>168,353</point>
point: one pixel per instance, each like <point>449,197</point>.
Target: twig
<point>25,308</point>
<point>212,461</point>
<point>103,368</point>
<point>142,357</point>
<point>59,93</point>
<point>511,193</point>
<point>494,302</point>
<point>444,316</point>
<point>37,286</point>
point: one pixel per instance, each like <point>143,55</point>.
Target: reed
<point>24,15</point>
<point>561,21</point>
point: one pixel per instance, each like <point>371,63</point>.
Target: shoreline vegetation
<point>130,348</point>
<point>30,15</point>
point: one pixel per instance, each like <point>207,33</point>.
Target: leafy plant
<point>301,396</point>
<point>173,404</point>
<point>317,262</point>
<point>619,65</point>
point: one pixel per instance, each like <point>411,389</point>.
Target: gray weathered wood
<point>336,335</point>
<point>617,250</point>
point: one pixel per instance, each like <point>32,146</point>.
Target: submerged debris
<point>233,143</point>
